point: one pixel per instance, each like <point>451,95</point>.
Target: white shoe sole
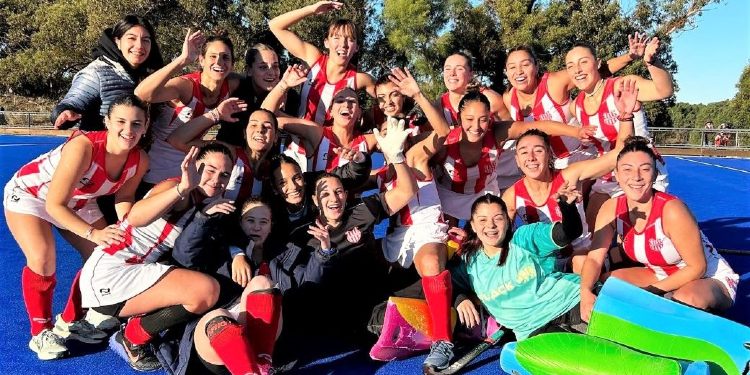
<point>45,356</point>
<point>67,335</point>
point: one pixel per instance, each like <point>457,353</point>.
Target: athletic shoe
<point>140,357</point>
<point>80,330</point>
<point>441,353</point>
<point>48,345</point>
<point>265,365</point>
<point>102,321</point>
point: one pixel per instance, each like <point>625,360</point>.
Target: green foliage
<point>44,42</point>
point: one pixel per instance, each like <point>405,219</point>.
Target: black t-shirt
<point>234,132</point>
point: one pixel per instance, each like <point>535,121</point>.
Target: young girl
<point>659,231</point>
<point>330,72</point>
<point>510,272</point>
<point>189,96</point>
<point>531,198</point>
<point>126,54</point>
<point>43,194</point>
<point>595,106</point>
<point>124,278</point>
<point>314,151</point>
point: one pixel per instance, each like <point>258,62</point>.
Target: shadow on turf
<point>721,230</point>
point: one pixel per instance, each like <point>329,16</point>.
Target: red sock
<point>263,311</point>
<point>73,310</point>
<point>437,291</point>
<point>37,295</point>
<point>229,343</point>
<point>135,333</point>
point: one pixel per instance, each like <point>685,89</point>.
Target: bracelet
<point>179,193</point>
<point>88,233</point>
<point>625,118</point>
<point>214,115</point>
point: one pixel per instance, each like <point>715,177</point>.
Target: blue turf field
<point>714,188</point>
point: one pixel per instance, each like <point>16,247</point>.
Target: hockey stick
<point>468,357</point>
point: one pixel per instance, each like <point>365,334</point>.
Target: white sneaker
<point>80,330</point>
<point>102,321</point>
<point>48,345</point>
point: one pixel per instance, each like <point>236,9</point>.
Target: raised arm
<point>392,146</point>
<point>625,102</point>
<point>601,240</point>
<point>294,76</point>
<point>660,86</point>
<point>158,87</point>
<point>552,128</point>
<point>280,25</point>
<point>186,136</point>
<point>164,196</point>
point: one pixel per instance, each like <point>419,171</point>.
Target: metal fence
<point>28,120</point>
<point>701,138</point>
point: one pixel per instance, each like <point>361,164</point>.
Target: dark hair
<point>213,147</point>
<point>584,44</point>
<point>409,103</point>
<point>280,159</point>
<point>526,48</point>
<point>545,138</point>
<point>471,244</point>
<point>130,100</point>
<point>636,143</point>
<point>465,54</point>
<point>220,36</point>
<point>472,96</point>
<point>274,119</point>
<point>254,52</point>
<point>345,24</point>
<point>154,61</point>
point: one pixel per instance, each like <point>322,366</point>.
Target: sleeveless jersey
<point>450,114</point>
<point>423,208</point>
<point>165,159</point>
<point>317,93</point>
<point>464,179</point>
<point>35,176</point>
<point>545,108</point>
<point>324,158</point>
<point>243,182</point>
<point>651,246</point>
<point>549,212</point>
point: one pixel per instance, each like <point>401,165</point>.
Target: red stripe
<point>248,177</point>
<point>446,104</point>
<point>112,249</point>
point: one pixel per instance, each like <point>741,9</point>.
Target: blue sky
<point>710,58</point>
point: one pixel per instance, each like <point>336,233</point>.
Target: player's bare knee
<point>259,283</point>
<point>41,262</point>
<point>691,298</point>
<point>205,294</point>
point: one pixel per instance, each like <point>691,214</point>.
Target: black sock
<point>160,320</point>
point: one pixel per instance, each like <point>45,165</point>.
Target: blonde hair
<point>252,202</point>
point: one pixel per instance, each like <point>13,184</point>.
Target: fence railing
<point>722,139</point>
<point>16,120</point>
<point>701,138</point>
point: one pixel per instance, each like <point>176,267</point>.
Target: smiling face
<point>126,124</point>
<point>289,183</point>
<point>217,61</point>
<point>457,73</point>
<point>583,68</point>
<point>345,108</point>
<point>521,71</point>
<point>490,223</point>
<point>217,168</point>
<point>256,222</point>
<point>636,173</point>
<point>533,156</point>
<point>390,100</point>
<point>330,197</point>
<point>475,120</point>
<point>341,44</point>
<point>260,133</point>
<point>135,45</point>
<point>264,70</point>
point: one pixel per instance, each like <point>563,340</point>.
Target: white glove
<point>392,144</point>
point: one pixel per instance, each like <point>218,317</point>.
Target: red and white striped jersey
<point>545,108</point>
<point>450,113</point>
<point>35,176</point>
<point>549,212</point>
<point>474,179</point>
<point>317,93</point>
<point>148,243</point>
<point>651,246</point>
<point>324,158</point>
<point>243,182</point>
<point>165,159</point>
<point>423,208</point>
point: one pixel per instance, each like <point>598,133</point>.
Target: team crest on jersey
<point>610,118</point>
<point>557,211</point>
<point>655,244</point>
<point>545,117</point>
